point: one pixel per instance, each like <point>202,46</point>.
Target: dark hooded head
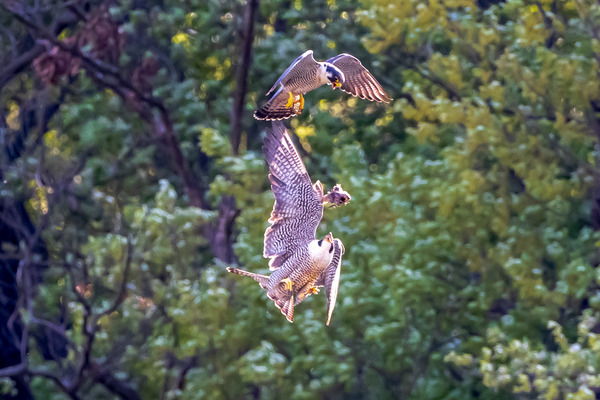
<point>335,75</point>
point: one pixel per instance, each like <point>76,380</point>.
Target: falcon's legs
<point>288,283</point>
<point>301,104</point>
<point>290,102</point>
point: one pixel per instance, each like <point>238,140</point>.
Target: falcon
<point>343,71</point>
<point>301,263</point>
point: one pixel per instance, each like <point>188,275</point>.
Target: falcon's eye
<point>320,242</point>
<point>337,79</point>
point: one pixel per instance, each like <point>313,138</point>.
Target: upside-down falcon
<point>343,71</point>
<point>300,262</point>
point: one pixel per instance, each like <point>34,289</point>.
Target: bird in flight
<point>300,262</point>
<point>343,71</point>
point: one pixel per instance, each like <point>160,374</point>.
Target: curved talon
<point>288,283</point>
<point>314,290</point>
<point>290,102</point>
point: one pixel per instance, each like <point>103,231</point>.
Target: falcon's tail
<point>285,303</point>
<point>261,279</point>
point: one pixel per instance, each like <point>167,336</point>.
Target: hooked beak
<point>335,85</point>
<point>328,238</point>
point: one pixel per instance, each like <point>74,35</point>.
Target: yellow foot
<point>288,283</point>
<point>290,102</point>
<point>301,104</point>
<point>314,290</point>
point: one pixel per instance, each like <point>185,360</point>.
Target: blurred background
<point>131,175</point>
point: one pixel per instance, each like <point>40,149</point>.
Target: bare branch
<point>121,294</point>
<point>67,389</point>
<point>18,64</point>
<point>112,383</point>
<point>52,326</point>
<point>14,370</point>
<point>73,281</point>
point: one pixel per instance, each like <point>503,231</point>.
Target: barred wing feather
<point>359,81</point>
<point>304,62</point>
<point>298,205</point>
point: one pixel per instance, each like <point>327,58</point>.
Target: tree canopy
<point>132,175</point>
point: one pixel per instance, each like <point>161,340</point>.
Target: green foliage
<point>502,105</point>
<point>471,265</point>
<point>568,372</point>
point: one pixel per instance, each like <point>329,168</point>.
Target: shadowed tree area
<point>131,175</point>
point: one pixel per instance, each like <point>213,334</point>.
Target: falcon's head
<point>327,242</point>
<point>335,75</point>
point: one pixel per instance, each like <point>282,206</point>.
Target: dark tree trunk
<point>221,231</point>
<point>243,67</point>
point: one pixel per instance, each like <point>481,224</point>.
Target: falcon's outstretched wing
<point>298,205</point>
<point>305,62</point>
<point>330,278</point>
<point>359,81</point>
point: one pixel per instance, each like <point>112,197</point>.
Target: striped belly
<point>302,277</point>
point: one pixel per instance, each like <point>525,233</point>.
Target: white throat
<point>320,254</point>
<point>322,74</point>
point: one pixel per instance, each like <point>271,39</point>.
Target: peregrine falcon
<point>300,262</point>
<point>305,74</point>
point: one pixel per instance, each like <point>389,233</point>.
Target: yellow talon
<point>301,104</point>
<point>290,102</point>
<point>314,290</point>
<point>288,283</point>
